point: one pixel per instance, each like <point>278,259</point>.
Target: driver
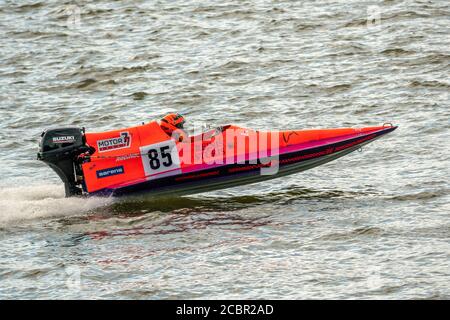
<point>173,124</point>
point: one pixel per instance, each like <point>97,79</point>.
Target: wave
<point>424,195</point>
<point>21,204</point>
<point>429,83</point>
<point>352,234</point>
<point>397,52</point>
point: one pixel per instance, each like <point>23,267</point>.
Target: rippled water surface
<point>374,224</point>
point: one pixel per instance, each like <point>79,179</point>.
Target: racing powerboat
<point>144,159</point>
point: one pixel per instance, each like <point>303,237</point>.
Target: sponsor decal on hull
<point>64,139</point>
<point>110,172</point>
<point>128,157</point>
<point>115,143</point>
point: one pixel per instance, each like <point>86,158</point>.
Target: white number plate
<point>160,159</point>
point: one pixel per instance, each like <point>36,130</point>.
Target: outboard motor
<point>60,148</point>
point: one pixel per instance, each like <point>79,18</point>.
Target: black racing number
<point>153,155</point>
<point>166,155</point>
<point>154,159</point>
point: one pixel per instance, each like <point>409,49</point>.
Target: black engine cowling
<point>60,148</point>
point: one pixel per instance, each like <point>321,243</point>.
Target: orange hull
<point>145,159</point>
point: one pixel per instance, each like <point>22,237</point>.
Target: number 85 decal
<point>160,157</point>
<point>154,157</point>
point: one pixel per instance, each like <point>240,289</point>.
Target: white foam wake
<point>34,202</point>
